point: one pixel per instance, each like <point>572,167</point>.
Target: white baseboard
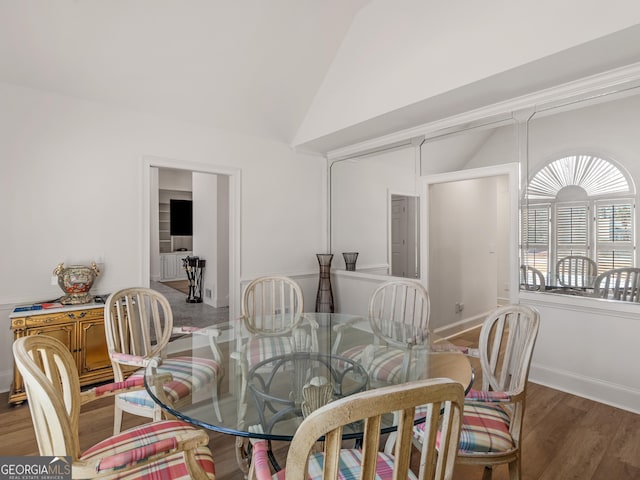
<point>619,396</point>
<point>6,377</point>
<point>460,326</point>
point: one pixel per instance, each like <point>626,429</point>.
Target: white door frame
<point>512,171</point>
<point>234,175</point>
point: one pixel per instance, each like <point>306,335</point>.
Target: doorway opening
<point>405,236</point>
<point>215,197</point>
<point>470,243</point>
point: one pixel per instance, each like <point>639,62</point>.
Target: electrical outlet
<point>207,292</point>
<point>459,307</point>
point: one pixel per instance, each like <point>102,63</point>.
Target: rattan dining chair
<point>272,317</point>
<point>492,427</point>
<point>618,284</point>
<point>164,449</point>
<point>138,327</point>
<point>399,319</point>
<point>444,399</point>
<point>576,271</point>
<point>531,279</point>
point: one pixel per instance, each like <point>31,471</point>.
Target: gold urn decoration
<point>76,281</point>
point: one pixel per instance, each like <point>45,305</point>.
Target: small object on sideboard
<point>76,281</point>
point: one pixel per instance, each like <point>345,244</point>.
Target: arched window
<point>579,205</point>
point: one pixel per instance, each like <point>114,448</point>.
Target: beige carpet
<point>180,285</point>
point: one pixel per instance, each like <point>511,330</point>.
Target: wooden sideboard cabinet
<point>80,327</point>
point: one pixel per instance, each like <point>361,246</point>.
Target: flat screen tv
<point>181,217</point>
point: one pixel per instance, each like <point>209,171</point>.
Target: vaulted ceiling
<point>252,66</point>
<point>260,66</point>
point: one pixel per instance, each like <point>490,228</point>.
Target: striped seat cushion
<point>189,374</point>
<point>349,469</point>
<point>119,448</point>
<point>485,428</point>
<point>384,366</point>
<point>350,461</point>
<point>488,395</point>
<point>261,348</point>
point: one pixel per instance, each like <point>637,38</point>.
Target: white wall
<point>71,175</point>
<point>360,195</point>
<point>462,244</point>
<point>588,347</point>
<point>221,279</point>
<point>205,230</point>
<point>395,55</point>
<point>175,180</point>
<point>584,346</point>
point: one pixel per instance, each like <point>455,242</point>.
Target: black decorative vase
<point>194,267</point>
<point>350,260</point>
<point>324,298</point>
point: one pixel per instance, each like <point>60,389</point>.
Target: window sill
<point>586,304</point>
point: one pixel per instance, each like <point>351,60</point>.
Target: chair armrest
<point>313,323</point>
<point>260,466</point>
<point>449,347</point>
<point>340,329</point>
<point>151,452</point>
<point>207,331</point>
<point>110,389</point>
<point>496,396</point>
<point>132,457</point>
<point>185,329</point>
<point>488,396</point>
<point>473,352</point>
<point>127,359</point>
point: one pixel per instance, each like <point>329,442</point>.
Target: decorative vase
<point>76,281</point>
<point>350,260</point>
<point>194,266</point>
<point>324,298</point>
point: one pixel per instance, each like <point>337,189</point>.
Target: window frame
<point>592,246</point>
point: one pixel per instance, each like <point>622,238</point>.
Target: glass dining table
<point>266,392</point>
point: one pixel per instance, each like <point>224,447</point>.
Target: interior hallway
<point>191,314</point>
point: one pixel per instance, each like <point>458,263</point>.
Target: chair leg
<point>117,420</point>
<point>242,456</point>
<point>514,469</point>
<point>214,396</point>
<point>487,473</point>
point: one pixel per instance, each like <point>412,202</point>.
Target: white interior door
<point>399,236</point>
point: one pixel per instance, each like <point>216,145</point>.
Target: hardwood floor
<point>566,437</point>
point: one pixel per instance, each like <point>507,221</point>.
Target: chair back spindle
<point>399,312</point>
<point>619,284</point>
<point>272,305</point>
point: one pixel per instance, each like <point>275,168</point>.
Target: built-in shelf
<point>167,243</point>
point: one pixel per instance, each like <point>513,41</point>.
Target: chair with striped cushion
<point>437,459</point>
<point>272,323</point>
<point>492,424</point>
<point>399,319</point>
<point>138,326</point>
<point>165,449</point>
<point>272,308</point>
